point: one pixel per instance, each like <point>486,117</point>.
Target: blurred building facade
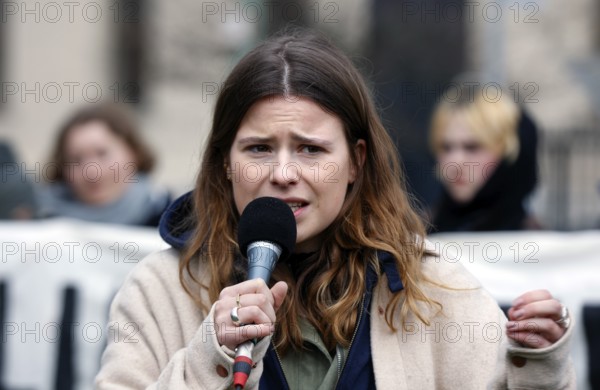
<point>167,61</point>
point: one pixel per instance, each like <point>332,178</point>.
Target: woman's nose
<point>284,171</point>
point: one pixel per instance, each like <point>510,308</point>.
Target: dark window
<point>130,50</point>
<point>417,48</point>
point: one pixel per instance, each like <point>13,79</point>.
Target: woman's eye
<point>472,147</point>
<point>446,147</point>
<point>311,149</point>
<point>259,148</point>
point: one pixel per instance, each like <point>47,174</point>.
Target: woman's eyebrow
<point>295,137</point>
<point>254,139</point>
<point>311,140</point>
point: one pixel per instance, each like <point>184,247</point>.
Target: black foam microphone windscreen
<point>267,219</point>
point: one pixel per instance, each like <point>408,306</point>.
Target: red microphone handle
<point>242,365</point>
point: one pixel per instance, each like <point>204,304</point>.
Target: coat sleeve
<point>528,368</point>
<point>488,361</point>
<point>158,340</point>
<point>516,367</point>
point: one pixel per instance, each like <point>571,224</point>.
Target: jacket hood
<point>177,222</point>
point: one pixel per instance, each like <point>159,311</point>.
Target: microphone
<point>266,233</point>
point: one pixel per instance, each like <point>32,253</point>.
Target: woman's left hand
<point>533,319</point>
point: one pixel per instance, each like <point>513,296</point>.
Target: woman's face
<point>99,163</point>
<point>465,163</point>
<point>295,151</point>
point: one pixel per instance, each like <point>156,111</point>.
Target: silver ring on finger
<point>565,319</point>
<point>234,316</point>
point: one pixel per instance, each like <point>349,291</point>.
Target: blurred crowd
<point>99,168</point>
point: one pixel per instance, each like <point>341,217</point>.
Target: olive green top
<point>313,367</point>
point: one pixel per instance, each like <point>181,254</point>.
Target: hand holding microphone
<point>257,306</point>
<point>266,233</point>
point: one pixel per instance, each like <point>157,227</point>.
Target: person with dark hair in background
<point>360,300</point>
<point>99,171</point>
<point>486,151</point>
<point>17,200</point>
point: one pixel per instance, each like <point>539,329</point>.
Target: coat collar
<point>388,264</point>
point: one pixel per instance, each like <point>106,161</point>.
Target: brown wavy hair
<point>377,214</point>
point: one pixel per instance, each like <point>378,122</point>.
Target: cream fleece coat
<point>159,339</point>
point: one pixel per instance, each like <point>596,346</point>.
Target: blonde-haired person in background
<point>485,147</point>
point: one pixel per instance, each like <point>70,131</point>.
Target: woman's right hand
<point>257,307</point>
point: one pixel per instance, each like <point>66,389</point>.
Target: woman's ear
<point>360,153</point>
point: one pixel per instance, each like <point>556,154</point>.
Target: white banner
<point>39,259</point>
